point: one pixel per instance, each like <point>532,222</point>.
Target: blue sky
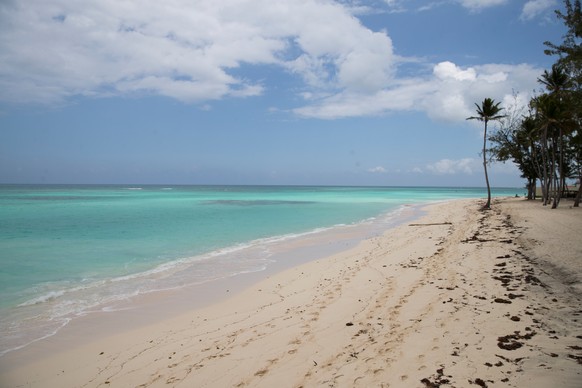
<point>346,92</point>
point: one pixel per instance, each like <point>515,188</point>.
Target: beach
<point>458,297</point>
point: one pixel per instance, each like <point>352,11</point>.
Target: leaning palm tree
<point>489,110</point>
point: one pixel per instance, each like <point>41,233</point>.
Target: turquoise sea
<point>68,250</point>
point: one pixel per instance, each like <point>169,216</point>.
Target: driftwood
<point>436,223</point>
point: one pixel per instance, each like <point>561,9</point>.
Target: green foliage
<point>570,50</point>
<point>487,111</point>
<point>557,80</point>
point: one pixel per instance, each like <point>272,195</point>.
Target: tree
<point>570,51</point>
<point>546,144</point>
<point>577,147</point>
<point>556,81</point>
<point>555,112</point>
<point>548,114</point>
<point>514,141</point>
<point>488,110</point>
<point>570,59</point>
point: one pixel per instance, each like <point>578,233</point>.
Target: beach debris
<point>438,380</point>
<point>511,341</point>
<point>478,382</point>
<point>475,237</point>
<point>575,357</point>
<point>432,224</point>
<point>513,296</point>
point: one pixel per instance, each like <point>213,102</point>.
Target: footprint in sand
<point>262,372</point>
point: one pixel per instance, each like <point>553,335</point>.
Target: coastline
<point>187,292</point>
<point>443,298</point>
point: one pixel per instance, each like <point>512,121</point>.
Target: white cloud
<point>395,6</point>
<point>357,7</point>
<point>448,70</point>
<point>472,5</point>
<point>196,51</point>
<point>533,8</point>
<point>476,5</point>
<point>378,170</point>
<point>449,167</point>
<point>447,94</point>
<point>508,168</point>
<point>186,50</point>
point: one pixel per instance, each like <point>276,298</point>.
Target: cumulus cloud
<point>533,8</point>
<point>448,70</point>
<point>185,50</point>
<point>448,166</point>
<point>447,94</point>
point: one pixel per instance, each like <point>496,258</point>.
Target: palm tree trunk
<point>562,181</point>
<point>488,205</point>
<point>579,194</point>
<point>545,168</point>
<point>555,173</point>
<point>538,170</point>
<point>531,189</point>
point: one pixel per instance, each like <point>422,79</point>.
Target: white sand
<point>458,298</point>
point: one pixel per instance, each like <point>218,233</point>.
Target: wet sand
<point>459,297</point>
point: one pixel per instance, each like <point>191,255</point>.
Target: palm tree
<point>555,123</point>
<point>489,110</point>
<point>556,81</point>
<point>556,120</point>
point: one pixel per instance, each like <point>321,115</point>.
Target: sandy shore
<point>457,298</point>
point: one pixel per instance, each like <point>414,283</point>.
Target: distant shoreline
<point>130,185</point>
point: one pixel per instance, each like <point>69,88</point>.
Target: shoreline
<point>420,304</point>
<point>286,252</point>
<point>274,254</point>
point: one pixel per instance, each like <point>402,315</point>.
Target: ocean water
<point>68,250</point>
